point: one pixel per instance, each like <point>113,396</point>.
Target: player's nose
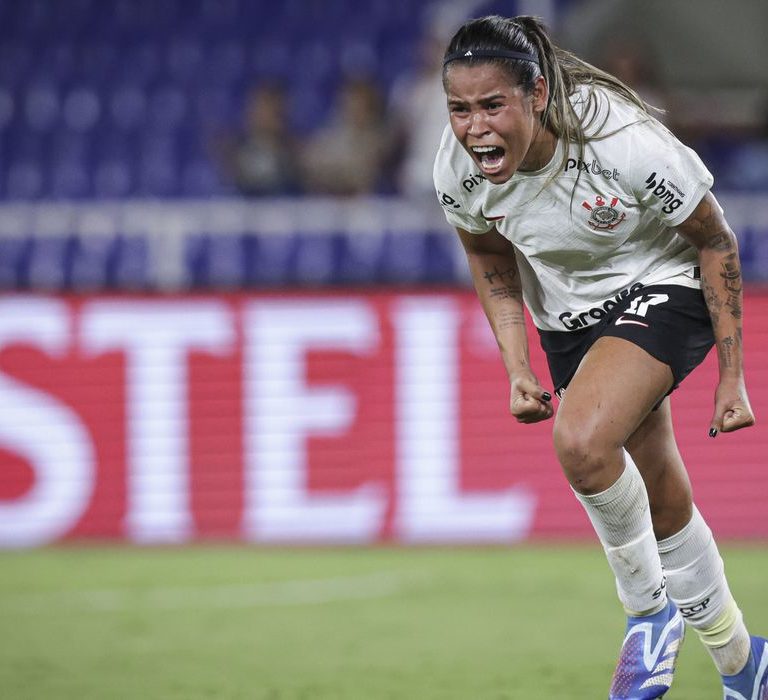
<point>477,124</point>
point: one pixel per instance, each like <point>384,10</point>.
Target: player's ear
<point>539,95</point>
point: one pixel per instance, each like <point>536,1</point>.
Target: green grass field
<point>368,624</point>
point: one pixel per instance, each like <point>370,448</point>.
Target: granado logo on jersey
<point>665,191</point>
<point>581,320</point>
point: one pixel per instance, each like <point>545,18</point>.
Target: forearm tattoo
<point>711,235</point>
<point>731,276</point>
<point>508,292</point>
<point>504,285</point>
<point>509,319</point>
<point>509,274</point>
<point>712,300</point>
<point>725,351</point>
<point>709,232</point>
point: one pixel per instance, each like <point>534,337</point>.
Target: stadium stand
<point>109,116</point>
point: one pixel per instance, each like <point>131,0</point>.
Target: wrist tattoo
<point>725,351</point>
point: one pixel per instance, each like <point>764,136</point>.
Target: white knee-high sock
<point>621,517</point>
<point>696,583</point>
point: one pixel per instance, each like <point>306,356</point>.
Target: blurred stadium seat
<point>108,70</point>
<point>124,100</point>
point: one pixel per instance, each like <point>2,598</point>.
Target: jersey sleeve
<point>450,195</point>
<point>666,176</point>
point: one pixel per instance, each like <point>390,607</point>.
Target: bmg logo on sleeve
<point>665,191</point>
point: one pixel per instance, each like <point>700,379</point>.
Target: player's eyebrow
<point>493,98</point>
<point>481,100</point>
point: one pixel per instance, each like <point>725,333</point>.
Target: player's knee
<point>587,459</point>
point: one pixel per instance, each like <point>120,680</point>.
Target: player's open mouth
<point>491,158</point>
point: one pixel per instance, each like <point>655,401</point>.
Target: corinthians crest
<point>603,216</point>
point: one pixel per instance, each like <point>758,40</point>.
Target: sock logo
<point>692,610</point>
<point>665,191</point>
<point>657,593</point>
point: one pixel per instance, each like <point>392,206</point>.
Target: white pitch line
<point>267,594</point>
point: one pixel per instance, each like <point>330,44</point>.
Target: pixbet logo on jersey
<point>664,191</point>
<point>603,216</point>
<point>594,167</point>
<point>469,183</point>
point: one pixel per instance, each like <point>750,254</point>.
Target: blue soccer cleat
<point>751,683</point>
<point>648,655</point>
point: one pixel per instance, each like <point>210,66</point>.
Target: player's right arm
<point>496,279</point>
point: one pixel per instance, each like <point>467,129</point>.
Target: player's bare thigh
<point>614,389</point>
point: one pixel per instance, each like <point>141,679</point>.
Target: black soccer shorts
<point>670,322</point>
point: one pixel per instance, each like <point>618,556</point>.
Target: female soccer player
<point>570,198</point>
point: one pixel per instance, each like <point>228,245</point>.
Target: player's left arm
<point>707,230</point>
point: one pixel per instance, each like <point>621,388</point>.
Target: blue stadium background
<point>117,99</point>
<point>108,112</point>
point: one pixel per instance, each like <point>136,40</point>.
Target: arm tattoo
<point>509,274</point>
<point>708,231</point>
<point>712,300</point>
<point>725,351</point>
<point>708,225</point>
<point>720,241</point>
<point>508,292</point>
<point>731,276</point>
<point>504,286</point>
<point>719,238</point>
<point>510,319</point>
<point>507,287</point>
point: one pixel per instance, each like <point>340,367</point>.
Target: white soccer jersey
<point>582,244</point>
